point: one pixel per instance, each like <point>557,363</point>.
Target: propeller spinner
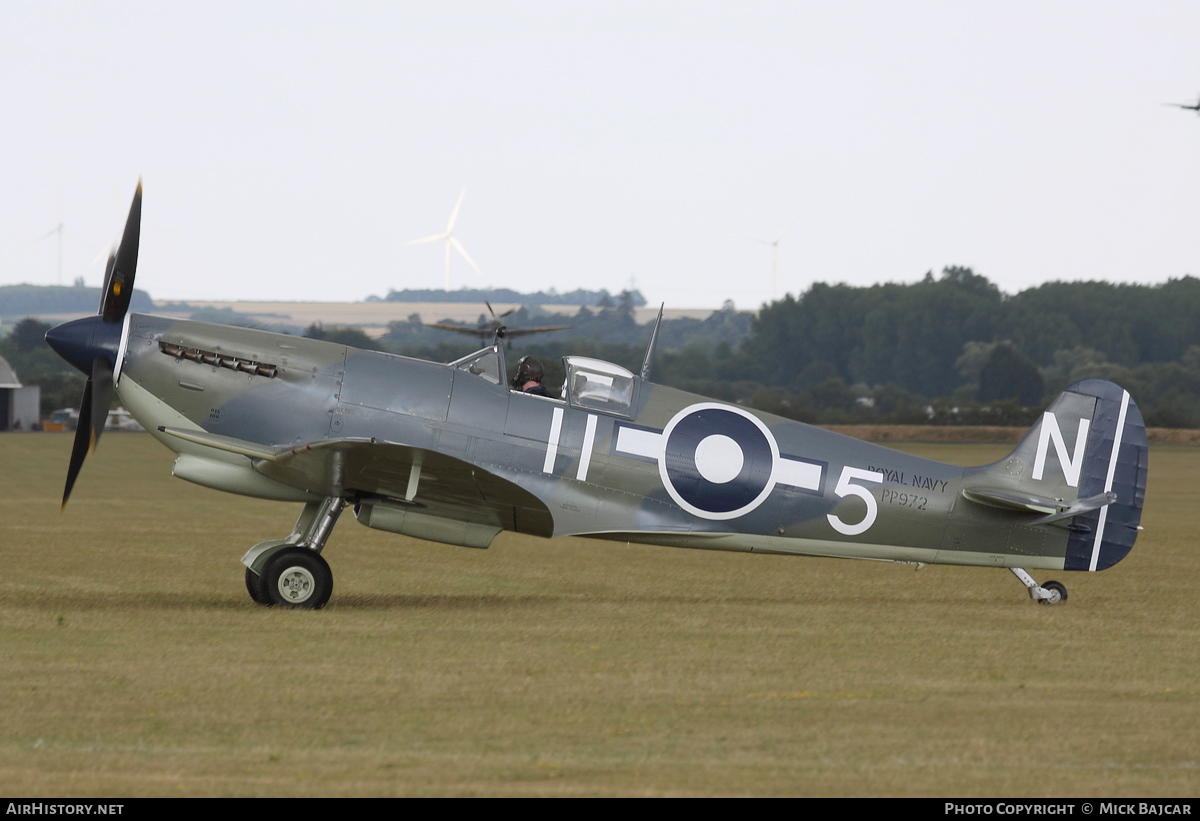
<point>91,344</point>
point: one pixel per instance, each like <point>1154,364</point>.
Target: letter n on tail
<point>1051,432</point>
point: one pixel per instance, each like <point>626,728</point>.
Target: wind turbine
<point>58,229</point>
<point>451,240</point>
<point>774,243</point>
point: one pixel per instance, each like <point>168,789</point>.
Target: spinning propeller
<point>92,344</point>
<point>492,311</point>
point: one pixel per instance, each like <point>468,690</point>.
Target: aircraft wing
<point>509,333</point>
<point>457,329</point>
<point>432,482</point>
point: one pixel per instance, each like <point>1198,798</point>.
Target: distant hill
<point>17,301</point>
<point>576,297</point>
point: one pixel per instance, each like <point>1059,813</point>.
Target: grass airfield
<point>132,661</point>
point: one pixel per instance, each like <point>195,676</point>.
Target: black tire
<point>254,585</point>
<point>298,579</point>
<point>1060,588</point>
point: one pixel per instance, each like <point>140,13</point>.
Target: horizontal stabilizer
<point>1054,509</point>
<point>1078,507</point>
<point>1012,500</point>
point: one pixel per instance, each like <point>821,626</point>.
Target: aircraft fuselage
<point>760,483</point>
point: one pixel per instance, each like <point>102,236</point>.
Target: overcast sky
<point>289,151</point>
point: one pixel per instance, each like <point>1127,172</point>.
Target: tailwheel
<point>297,578</point>
<point>1057,591</point>
<point>254,585</point>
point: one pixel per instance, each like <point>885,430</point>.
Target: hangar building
<point>20,406</point>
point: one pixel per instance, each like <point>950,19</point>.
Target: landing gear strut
<point>290,572</point>
<point>1049,593</point>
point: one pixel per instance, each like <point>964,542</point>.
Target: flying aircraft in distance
<point>449,453</point>
<point>1195,107</point>
<point>486,329</point>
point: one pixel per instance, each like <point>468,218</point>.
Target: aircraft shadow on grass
<point>450,453</point>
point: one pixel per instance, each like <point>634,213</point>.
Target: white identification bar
<point>1112,467</point>
<point>552,442</point>
<point>635,442</point>
<point>798,474</point>
<point>589,438</point>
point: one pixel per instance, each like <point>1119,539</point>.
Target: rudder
<point>1116,460</point>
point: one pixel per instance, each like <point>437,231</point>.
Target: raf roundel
<point>717,461</point>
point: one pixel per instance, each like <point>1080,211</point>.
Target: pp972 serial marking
<point>902,499</point>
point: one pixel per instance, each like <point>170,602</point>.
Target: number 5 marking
<point>844,488</point>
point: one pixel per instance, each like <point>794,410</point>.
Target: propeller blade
<point>462,251</point>
<point>454,213</point>
<point>93,414</point>
<point>118,279</point>
<point>434,238</point>
<point>789,228</point>
<point>83,441</point>
<point>111,251</point>
<point>53,230</point>
<point>108,269</point>
<point>102,395</point>
<point>492,310</point>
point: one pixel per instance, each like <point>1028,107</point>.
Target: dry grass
<point>134,663</point>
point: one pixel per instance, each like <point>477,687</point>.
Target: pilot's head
<point>529,369</point>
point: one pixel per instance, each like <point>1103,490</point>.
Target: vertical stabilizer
<point>1088,448</point>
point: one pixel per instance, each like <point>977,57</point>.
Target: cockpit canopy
<point>591,384</point>
<point>598,385</point>
<point>485,364</point>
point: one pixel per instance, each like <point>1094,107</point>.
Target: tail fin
<point>1084,460</point>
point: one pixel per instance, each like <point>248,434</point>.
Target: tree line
<point>580,296</point>
<point>959,338</point>
<point>948,349</point>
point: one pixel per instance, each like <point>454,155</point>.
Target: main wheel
<point>1058,592</point>
<point>298,578</point>
<point>254,585</point>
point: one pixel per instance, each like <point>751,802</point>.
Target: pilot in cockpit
<point>529,377</point>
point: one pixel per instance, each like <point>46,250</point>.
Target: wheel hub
<point>296,585</point>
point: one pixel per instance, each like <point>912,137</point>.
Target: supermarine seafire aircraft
<point>450,454</point>
<point>494,328</point>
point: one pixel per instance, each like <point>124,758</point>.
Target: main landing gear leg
<point>1049,593</point>
<point>290,572</point>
